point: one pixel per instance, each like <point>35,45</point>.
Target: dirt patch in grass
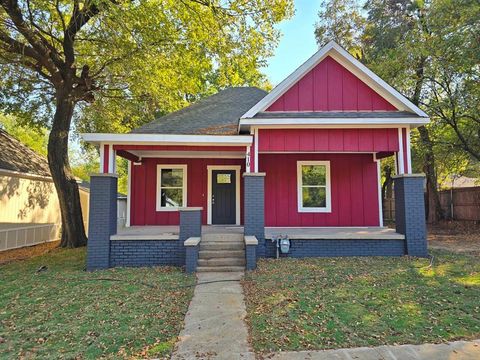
<point>327,303</point>
<point>51,308</point>
<point>456,236</point>
<point>27,252</point>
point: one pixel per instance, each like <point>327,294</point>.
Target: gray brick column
<point>190,226</point>
<point>410,213</point>
<point>192,246</point>
<point>251,244</point>
<point>102,222</point>
<point>254,209</point>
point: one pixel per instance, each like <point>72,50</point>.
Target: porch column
<point>410,212</point>
<point>254,208</point>
<point>102,222</point>
<point>190,227</point>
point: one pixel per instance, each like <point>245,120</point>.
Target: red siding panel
<point>330,87</point>
<point>353,184</point>
<point>144,183</point>
<point>337,140</point>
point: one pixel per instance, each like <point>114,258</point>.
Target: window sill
<point>314,210</point>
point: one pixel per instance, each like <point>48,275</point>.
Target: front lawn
<point>326,303</point>
<point>51,308</point>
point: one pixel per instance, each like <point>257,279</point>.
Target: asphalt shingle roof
<point>216,115</point>
<point>15,156</point>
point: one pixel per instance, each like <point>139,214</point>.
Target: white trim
<point>237,169</point>
<point>328,187</point>
<point>256,150</point>
<point>401,167</point>
<point>159,183</point>
<point>388,122</point>
<point>409,153</point>
<point>247,158</point>
<point>112,160</point>
<point>348,61</point>
<point>129,190</point>
<point>317,152</point>
<point>330,126</point>
<point>379,183</point>
<point>102,158</point>
<point>167,139</point>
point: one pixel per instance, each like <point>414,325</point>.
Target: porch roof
<point>167,139</point>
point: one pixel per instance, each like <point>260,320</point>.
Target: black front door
<point>223,197</point>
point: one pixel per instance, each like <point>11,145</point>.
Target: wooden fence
<point>458,204</point>
<point>461,203</point>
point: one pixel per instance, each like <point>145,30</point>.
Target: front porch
<point>307,233</point>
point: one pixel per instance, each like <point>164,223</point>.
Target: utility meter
<point>284,245</point>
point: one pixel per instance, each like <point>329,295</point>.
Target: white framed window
<point>313,186</point>
<point>171,187</point>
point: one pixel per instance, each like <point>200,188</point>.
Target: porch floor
<point>307,233</point>
<point>168,232</point>
<point>343,233</point>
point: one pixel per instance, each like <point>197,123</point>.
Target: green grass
<point>65,312</point>
<point>348,302</point>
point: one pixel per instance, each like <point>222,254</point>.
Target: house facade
<point>301,163</point>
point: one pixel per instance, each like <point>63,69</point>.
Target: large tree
<point>129,59</point>
<point>430,51</point>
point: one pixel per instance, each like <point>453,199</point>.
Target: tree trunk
<point>434,208</point>
<point>73,230</point>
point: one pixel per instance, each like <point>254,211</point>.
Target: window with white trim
<point>171,187</point>
<point>313,186</point>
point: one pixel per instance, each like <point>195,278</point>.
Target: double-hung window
<point>313,186</point>
<point>171,187</point>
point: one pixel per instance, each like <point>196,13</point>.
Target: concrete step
<point>222,238</point>
<point>214,254</point>
<point>221,246</point>
<point>222,262</point>
<point>220,268</point>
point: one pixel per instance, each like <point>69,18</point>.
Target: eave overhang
<point>167,139</point>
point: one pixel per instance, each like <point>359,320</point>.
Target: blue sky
<point>297,43</point>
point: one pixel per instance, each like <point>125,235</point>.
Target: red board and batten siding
<point>353,185</point>
<point>144,189</point>
<point>330,87</point>
<point>332,140</point>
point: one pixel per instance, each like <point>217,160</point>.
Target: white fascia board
<point>413,121</point>
<point>352,64</point>
<point>168,139</point>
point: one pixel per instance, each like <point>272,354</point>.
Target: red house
<point>212,184</point>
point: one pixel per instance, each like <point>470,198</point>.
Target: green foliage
<point>35,138</point>
<point>66,313</point>
<point>145,58</point>
<point>321,303</point>
<point>435,42</point>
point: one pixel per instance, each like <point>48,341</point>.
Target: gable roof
<point>18,157</point>
<point>350,63</point>
<point>215,115</point>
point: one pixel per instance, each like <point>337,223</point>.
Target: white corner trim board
<point>349,62</point>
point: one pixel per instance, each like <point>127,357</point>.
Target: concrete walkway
<point>214,326</point>
<point>458,350</point>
